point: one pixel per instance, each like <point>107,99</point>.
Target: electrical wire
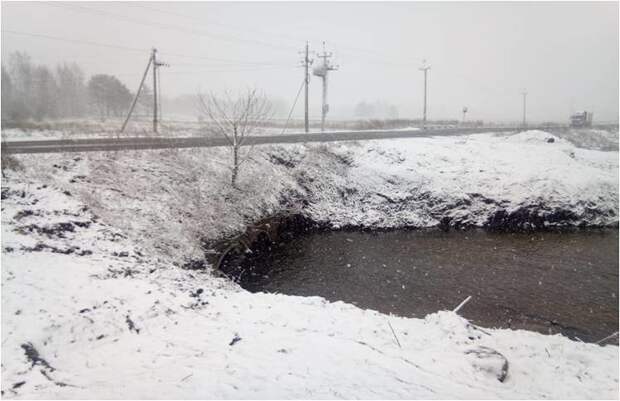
<point>297,40</point>
<point>293,107</point>
<point>160,25</point>
<point>231,62</point>
<point>82,42</point>
<point>75,7</point>
<point>132,49</point>
<point>216,71</point>
<point>381,59</point>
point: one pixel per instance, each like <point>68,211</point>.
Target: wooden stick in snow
<point>607,338</point>
<point>458,308</point>
<point>396,338</point>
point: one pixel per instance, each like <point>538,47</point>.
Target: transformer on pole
<point>322,70</point>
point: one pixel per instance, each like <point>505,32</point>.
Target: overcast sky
<point>482,55</point>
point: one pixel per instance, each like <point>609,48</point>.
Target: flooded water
<point>549,282</point>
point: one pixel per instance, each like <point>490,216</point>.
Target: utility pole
<point>135,99</point>
<point>464,112</point>
<point>321,71</point>
<point>306,64</point>
<point>424,68</point>
<point>524,93</point>
<point>154,64</point>
<point>154,56</point>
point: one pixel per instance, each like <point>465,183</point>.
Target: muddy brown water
<point>550,282</point>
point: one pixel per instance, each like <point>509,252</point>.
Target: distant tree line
<point>37,92</point>
<point>377,109</point>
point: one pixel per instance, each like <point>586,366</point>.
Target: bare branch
<point>236,119</point>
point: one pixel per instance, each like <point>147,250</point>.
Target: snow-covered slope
<point>95,305</point>
<point>517,181</point>
<point>87,314</point>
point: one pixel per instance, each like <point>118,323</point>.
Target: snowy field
<point>95,303</point>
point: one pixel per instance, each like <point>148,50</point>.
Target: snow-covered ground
<point>519,180</point>
<point>473,180</point>
<point>96,305</point>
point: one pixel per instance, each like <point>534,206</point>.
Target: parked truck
<point>581,119</point>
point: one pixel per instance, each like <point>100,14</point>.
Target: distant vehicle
<point>581,119</point>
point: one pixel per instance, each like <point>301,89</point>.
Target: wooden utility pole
<point>155,64</point>
<point>322,71</point>
<point>135,99</point>
<point>154,57</point>
<point>424,68</point>
<point>524,94</point>
<point>306,64</point>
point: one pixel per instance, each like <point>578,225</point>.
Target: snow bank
<point>469,180</point>
<point>114,323</point>
<point>94,304</point>
<point>500,181</point>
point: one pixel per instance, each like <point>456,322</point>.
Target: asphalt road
<point>140,143</point>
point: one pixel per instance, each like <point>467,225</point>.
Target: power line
<point>132,49</point>
<point>256,66</point>
<point>351,50</point>
<point>82,42</point>
<point>192,31</point>
<point>217,70</point>
<point>229,61</point>
<point>167,54</point>
<point>381,58</point>
<point>167,26</point>
<point>340,45</point>
<point>292,38</point>
<point>248,63</point>
<point>297,39</point>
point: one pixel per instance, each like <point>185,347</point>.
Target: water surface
<point>549,282</point>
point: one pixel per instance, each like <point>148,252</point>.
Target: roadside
<point>518,181</point>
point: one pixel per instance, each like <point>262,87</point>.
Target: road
<point>141,143</point>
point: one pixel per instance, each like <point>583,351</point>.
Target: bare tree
<point>72,95</point>
<point>7,95</point>
<point>44,93</point>
<point>235,118</point>
<point>21,73</point>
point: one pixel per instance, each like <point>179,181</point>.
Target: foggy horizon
<point>482,55</point>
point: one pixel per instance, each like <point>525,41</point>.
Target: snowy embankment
<point>94,304</point>
<point>516,181</point>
